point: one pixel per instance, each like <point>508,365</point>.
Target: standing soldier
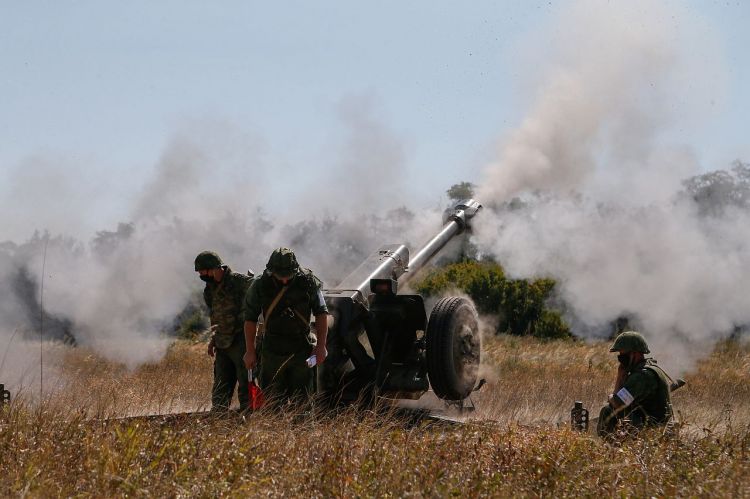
<point>642,389</point>
<point>224,292</point>
<point>286,295</point>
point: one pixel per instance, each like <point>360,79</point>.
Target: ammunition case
<point>579,417</point>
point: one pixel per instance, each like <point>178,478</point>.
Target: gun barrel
<point>434,245</point>
<point>393,260</point>
<point>457,219</point>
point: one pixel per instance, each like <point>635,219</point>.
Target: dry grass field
<point>517,443</point>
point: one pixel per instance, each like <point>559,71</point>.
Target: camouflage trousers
<point>229,371</point>
<point>607,422</point>
<point>286,377</point>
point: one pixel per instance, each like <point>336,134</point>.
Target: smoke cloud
<point>214,187</point>
<point>586,188</point>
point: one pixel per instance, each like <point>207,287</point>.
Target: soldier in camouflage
<point>224,292</point>
<point>286,295</point>
<point>642,389</point>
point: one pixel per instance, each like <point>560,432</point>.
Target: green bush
<point>551,325</point>
<point>192,321</point>
<point>519,304</point>
<point>193,325</point>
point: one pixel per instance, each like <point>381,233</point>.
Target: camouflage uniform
<point>224,301</point>
<point>287,341</point>
<point>644,398</point>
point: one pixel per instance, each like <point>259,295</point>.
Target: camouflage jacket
<point>288,327</point>
<point>224,300</point>
<point>647,389</point>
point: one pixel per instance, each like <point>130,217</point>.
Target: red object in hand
<point>255,393</point>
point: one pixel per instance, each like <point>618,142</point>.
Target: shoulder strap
<point>305,321</point>
<point>655,368</point>
<point>313,283</point>
<point>267,313</point>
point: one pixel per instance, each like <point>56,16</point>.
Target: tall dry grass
<point>536,381</point>
<point>512,447</point>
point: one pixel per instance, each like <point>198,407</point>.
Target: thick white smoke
<point>613,81</point>
<point>595,166</point>
<point>213,188</point>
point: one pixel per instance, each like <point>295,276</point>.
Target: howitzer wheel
<point>453,348</point>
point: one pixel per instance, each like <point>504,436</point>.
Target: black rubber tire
<point>453,348</point>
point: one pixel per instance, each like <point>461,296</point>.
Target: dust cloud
<point>588,189</point>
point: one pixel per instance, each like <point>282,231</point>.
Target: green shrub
<point>193,325</point>
<point>519,304</point>
<point>551,325</point>
<point>192,320</point>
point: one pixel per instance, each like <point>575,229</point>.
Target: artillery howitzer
<point>381,343</point>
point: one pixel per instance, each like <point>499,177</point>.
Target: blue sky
<point>103,86</point>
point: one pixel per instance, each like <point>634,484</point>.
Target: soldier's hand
<point>321,353</point>
<point>250,360</point>
<point>211,348</point>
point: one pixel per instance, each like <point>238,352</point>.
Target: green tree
<point>716,191</point>
<point>462,190</point>
<point>193,319</point>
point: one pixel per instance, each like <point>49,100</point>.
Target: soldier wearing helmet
<point>224,292</point>
<point>286,295</point>
<point>642,388</point>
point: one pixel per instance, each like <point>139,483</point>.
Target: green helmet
<point>630,341</point>
<point>207,260</point>
<point>282,262</point>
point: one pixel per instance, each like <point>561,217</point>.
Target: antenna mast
<point>41,321</point>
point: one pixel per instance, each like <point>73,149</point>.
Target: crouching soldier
<point>224,293</point>
<point>286,295</point>
<point>642,389</point>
